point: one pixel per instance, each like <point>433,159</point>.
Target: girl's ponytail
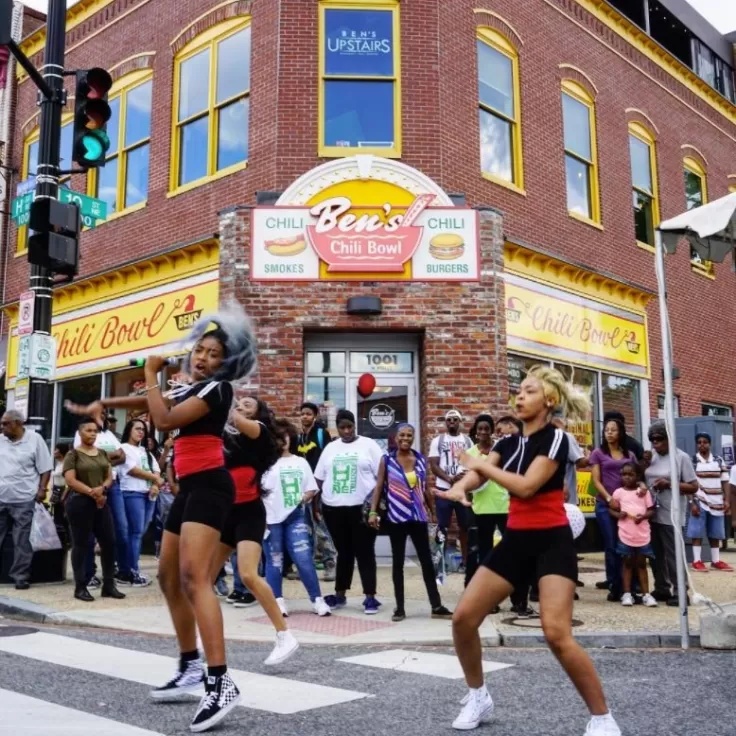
<point>573,402</point>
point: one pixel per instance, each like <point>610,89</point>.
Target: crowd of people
<point>232,482</point>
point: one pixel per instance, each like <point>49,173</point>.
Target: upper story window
<point>642,153</point>
<point>581,160</point>
<point>696,194</point>
<point>498,109</point>
<point>360,89</point>
<point>211,105</point>
<point>123,181</point>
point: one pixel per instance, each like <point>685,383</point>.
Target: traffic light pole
<point>47,187</point>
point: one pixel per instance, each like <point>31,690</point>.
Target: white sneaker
<point>282,607</point>
<point>286,645</point>
<point>465,698</point>
<point>627,599</point>
<point>648,600</point>
<point>478,709</point>
<point>602,726</point>
<point>320,607</point>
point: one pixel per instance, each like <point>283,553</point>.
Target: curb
<point>606,640</point>
<point>27,610</point>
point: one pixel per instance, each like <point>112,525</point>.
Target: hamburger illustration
<point>446,246</point>
<point>286,246</point>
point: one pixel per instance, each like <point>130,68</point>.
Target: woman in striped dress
<point>402,477</point>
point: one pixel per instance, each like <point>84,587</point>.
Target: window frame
<point>208,39</point>
<point>643,134</point>
<point>502,45</point>
<point>324,150</point>
<point>577,92</point>
<point>727,407</point>
<point>121,89</point>
<point>21,243</point>
<point>692,165</point>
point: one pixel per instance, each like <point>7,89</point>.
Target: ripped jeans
<point>292,534</point>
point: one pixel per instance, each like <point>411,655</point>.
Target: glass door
<point>393,402</point>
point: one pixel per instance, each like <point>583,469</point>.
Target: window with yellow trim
<point>732,188</point>
<point>696,194</point>
<point>30,165</point>
<point>211,105</point>
<point>359,68</point>
<point>123,181</point>
<point>642,154</point>
<point>498,108</point>
<point>581,164</point>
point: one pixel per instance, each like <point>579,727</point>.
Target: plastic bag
<point>43,530</point>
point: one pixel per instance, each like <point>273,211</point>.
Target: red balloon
<point>366,384</point>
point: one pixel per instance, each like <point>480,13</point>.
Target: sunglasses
<point>657,438</point>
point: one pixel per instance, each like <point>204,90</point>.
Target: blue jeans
<point>138,511</point>
<point>120,523</point>
<point>609,531</point>
<point>292,534</point>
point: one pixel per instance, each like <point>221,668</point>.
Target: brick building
<point>530,127</point>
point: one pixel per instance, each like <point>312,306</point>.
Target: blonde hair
<point>573,403</point>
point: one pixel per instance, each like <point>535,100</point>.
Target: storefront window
<point>518,367</point>
<point>326,390</point>
<point>585,430</point>
<point>326,362</point>
<point>622,394</point>
<point>123,383</point>
<point>81,391</point>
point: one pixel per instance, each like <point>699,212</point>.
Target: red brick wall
<point>440,137</point>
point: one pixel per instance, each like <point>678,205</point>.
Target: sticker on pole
<point>43,356</point>
<point>25,318</point>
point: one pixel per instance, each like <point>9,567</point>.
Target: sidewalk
<point>598,622</point>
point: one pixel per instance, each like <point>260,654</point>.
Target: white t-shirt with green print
<point>348,471</point>
<point>287,481</point>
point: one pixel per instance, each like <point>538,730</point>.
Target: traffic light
<point>91,113</point>
<point>54,243</point>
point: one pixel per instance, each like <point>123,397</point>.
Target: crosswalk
<point>290,694</point>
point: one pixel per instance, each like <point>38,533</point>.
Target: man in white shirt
<point>444,459</point>
<point>25,469</point>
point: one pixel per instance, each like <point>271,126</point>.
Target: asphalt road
<point>652,693</point>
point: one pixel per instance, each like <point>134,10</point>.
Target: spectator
<point>634,533</point>
<point>25,469</point>
<point>112,425</point>
<point>632,444</point>
<point>709,506</point>
<point>576,459</point>
<point>659,480</point>
<point>444,460</point>
<point>507,425</point>
<point>57,476</point>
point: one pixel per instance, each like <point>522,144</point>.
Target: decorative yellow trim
<point>646,246</point>
<point>215,177</point>
<point>199,18</point>
<point>650,122</point>
<point>732,189</point>
<point>579,93</point>
<point>581,72</point>
<point>585,220</point>
<point>693,165</point>
<point>543,268</point>
<point>125,61</point>
<point>685,146</point>
<point>704,269</point>
<point>497,41</point>
<point>339,151</point>
<point>503,20</point>
<point>637,130</point>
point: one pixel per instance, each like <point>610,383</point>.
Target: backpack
<point>321,438</point>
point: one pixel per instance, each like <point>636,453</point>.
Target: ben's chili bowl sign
<point>438,243</point>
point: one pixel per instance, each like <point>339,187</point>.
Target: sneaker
<point>524,612</point>
<point>286,645</point>
<point>282,607</point>
<point>602,585</point>
<point>661,595</point>
<point>399,615</point>
<point>220,698</point>
<point>627,599</point>
<point>441,612</point>
<point>721,565</point>
<point>370,605</point>
<point>478,708</point>
<point>139,581</point>
<point>246,600</point>
<point>123,578</point>
<point>221,589</point>
<point>330,573</point>
<point>320,607</point>
<point>185,681</point>
<point>94,583</point>
<point>602,726</point>
<point>234,597</point>
<point>648,600</point>
<point>699,566</point>
<point>336,601</point>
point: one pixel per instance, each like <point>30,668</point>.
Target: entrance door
<point>393,402</point>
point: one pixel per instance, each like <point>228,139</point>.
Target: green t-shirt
<point>491,498</point>
<point>91,470</point>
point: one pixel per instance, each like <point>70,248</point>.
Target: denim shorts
<point>624,550</point>
<point>706,525</point>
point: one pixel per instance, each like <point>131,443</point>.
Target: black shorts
<point>524,556</point>
<point>246,522</point>
<point>204,498</point>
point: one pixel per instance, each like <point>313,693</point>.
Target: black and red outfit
<point>538,540</point>
<point>206,489</point>
<point>244,458</point>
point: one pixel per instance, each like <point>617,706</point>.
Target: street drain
<point>532,623</point>
<point>16,630</point>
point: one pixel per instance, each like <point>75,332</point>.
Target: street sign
<point>20,400</point>
<point>25,186</point>
<point>24,357</point>
<point>25,318</point>
<point>20,208</point>
<point>43,356</point>
<point>95,209</point>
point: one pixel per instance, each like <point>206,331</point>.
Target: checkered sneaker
<point>221,697</point>
<point>184,681</point>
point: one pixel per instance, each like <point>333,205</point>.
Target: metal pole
<point>47,186</point>
<point>669,401</point>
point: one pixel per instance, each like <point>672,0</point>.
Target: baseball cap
<point>453,414</point>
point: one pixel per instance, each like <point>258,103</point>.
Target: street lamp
<point>711,231</point>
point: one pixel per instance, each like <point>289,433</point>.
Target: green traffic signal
<point>95,144</point>
<point>91,114</point>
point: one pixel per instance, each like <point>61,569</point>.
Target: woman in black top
<point>192,535</point>
<point>537,544</point>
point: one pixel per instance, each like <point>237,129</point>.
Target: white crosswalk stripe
<point>260,692</point>
<point>22,714</point>
<point>419,663</point>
